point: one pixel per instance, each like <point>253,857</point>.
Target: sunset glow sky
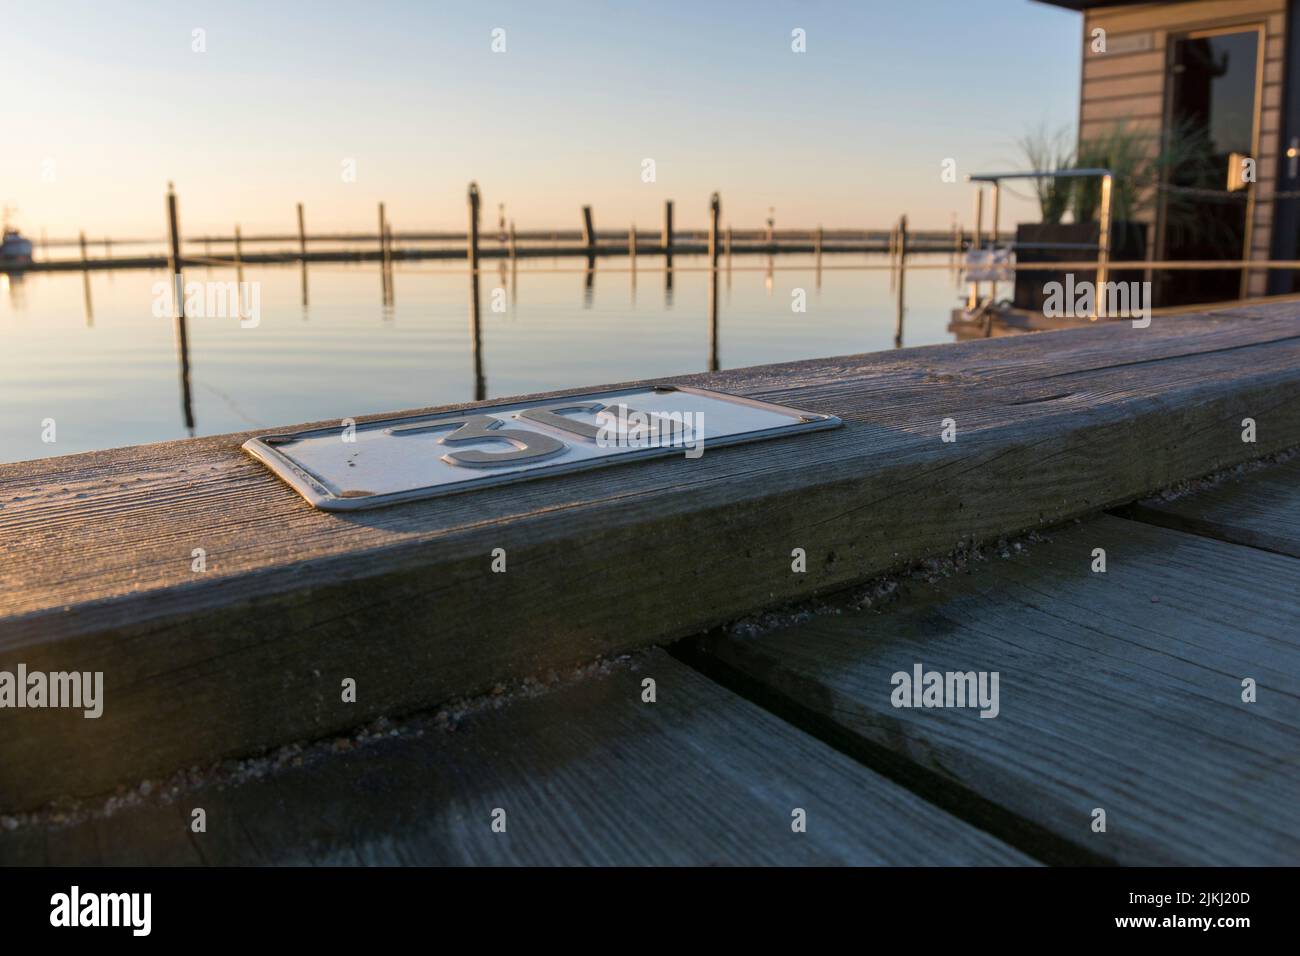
<point>112,103</point>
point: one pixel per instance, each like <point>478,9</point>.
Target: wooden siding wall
<point>1127,83</point>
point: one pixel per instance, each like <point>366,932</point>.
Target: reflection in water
<point>728,258</point>
<point>589,283</point>
<point>898,306</point>
<point>357,362</point>
<point>90,309</point>
<point>385,259</point>
<point>183,356</point>
<point>12,282</point>
<point>713,318</point>
<point>178,308</point>
<point>476,337</point>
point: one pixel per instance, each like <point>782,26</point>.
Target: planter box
<point>1128,243</point>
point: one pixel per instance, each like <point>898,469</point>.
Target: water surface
<point>89,353</point>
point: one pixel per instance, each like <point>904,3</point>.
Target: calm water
<point>110,377</point>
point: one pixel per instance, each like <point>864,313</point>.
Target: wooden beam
<point>249,653</point>
<point>557,765</point>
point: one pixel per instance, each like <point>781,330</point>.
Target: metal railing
<point>995,181</point>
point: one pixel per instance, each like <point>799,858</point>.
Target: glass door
<point>1211,124</point>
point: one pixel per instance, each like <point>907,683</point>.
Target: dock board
<point>1261,509</point>
<point>1119,690</point>
<point>250,653</point>
<point>587,774</point>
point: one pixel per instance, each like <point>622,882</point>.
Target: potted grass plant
<point>1140,169</point>
<point>1049,239</point>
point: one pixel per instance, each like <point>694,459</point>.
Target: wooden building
<point>1231,68</point>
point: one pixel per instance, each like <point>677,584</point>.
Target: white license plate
<point>346,468</point>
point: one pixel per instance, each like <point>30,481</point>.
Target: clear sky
<point>106,101</point>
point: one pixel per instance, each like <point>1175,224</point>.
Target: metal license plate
<point>346,468</point>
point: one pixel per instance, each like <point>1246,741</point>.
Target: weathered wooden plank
<point>1260,509</point>
<point>98,572</point>
<point>1132,86</point>
<point>1119,690</point>
<point>1147,106</point>
<point>1100,66</point>
<point>586,774</point>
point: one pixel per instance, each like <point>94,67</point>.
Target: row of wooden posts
<point>719,241</point>
<point>719,244</point>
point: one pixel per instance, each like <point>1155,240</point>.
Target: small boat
<point>14,248</point>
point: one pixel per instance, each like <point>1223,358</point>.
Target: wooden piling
<point>514,243</point>
<point>174,260</point>
<point>388,261</point>
<point>239,255</point>
<point>631,245</point>
<point>302,235</point>
<point>178,308</point>
<point>666,240</point>
<point>471,234</point>
<point>902,275</point>
<point>588,230</point>
<point>83,250</point>
<point>817,251</point>
<point>385,278</point>
<point>715,211</point>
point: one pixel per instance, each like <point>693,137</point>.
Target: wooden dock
<point>1121,690</point>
